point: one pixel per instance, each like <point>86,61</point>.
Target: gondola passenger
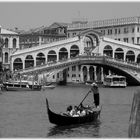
<point>74,112</point>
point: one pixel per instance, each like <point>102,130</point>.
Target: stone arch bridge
<point>89,48</point>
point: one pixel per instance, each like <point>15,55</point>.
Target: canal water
<point>24,114</point>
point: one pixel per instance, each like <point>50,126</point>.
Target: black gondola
<point>60,119</point>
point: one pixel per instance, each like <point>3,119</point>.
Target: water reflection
<point>84,130</point>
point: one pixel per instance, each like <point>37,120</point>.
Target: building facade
<point>11,44</point>
<point>122,29</point>
<point>42,35</point>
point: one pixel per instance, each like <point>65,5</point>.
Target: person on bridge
<point>96,95</point>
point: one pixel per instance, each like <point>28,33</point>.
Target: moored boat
<point>115,81</point>
<point>61,119</point>
<point>50,86</point>
<point>20,86</point>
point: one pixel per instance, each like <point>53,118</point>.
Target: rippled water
<point>24,114</point>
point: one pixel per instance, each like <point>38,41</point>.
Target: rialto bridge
<point>88,56</point>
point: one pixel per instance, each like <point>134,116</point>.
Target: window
<point>53,76</point>
<point>73,68</point>
<point>138,29</point>
<point>6,43</point>
<point>119,31</point>
<point>73,75</point>
<point>115,31</point>
<point>14,43</point>
<point>133,30</point>
<point>57,75</point>
<point>133,40</point>
<point>74,34</point>
<point>138,40</point>
<point>126,30</point>
<point>125,39</point>
<point>6,57</point>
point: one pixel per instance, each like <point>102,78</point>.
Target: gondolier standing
<point>96,95</point>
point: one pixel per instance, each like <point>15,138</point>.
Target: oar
<point>84,98</point>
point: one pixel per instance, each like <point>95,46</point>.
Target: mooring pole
<point>134,122</point>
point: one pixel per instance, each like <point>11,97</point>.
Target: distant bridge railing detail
<point>104,60</point>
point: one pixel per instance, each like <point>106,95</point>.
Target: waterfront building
<point>42,35</point>
<point>123,29</point>
<point>11,44</point>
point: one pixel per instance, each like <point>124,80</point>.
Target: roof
<point>106,23</point>
<point>57,24</point>
<point>5,31</point>
<point>34,30</point>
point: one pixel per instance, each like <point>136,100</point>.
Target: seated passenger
<point>74,111</point>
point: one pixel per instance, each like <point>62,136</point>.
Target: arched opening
<point>6,57</point>
<point>130,56</point>
<point>74,51</point>
<point>17,65</point>
<point>52,56</point>
<point>88,42</point>
<point>91,73</point>
<point>108,51</point>
<point>40,59</point>
<point>63,54</point>
<point>119,54</point>
<point>14,43</point>
<point>138,58</point>
<point>6,43</point>
<point>29,61</point>
<point>84,73</point>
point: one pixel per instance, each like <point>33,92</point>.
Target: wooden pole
<point>134,122</point>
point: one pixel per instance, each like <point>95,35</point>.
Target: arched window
<point>63,54</point>
<point>14,43</point>
<point>6,57</point>
<point>52,56</point>
<point>29,61</point>
<point>6,43</point>
<point>138,58</point>
<point>74,51</point>
<point>119,54</point>
<point>40,59</point>
<point>108,51</point>
<point>17,64</point>
<point>130,56</point>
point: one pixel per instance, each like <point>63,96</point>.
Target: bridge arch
<point>119,54</point>
<point>52,56</point>
<point>94,35</point>
<point>130,56</point>
<point>108,51</point>
<point>29,61</point>
<point>91,73</point>
<point>17,64</point>
<point>40,59</point>
<point>74,51</point>
<point>63,54</point>
<point>85,73</point>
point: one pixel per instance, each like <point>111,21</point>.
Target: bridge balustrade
<point>75,60</point>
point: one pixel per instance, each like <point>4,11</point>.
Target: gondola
<point>61,120</point>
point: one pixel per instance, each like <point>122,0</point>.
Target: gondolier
<point>96,95</point>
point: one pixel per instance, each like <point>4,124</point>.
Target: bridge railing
<point>104,59</point>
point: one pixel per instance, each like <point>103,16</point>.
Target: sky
<point>27,15</point>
